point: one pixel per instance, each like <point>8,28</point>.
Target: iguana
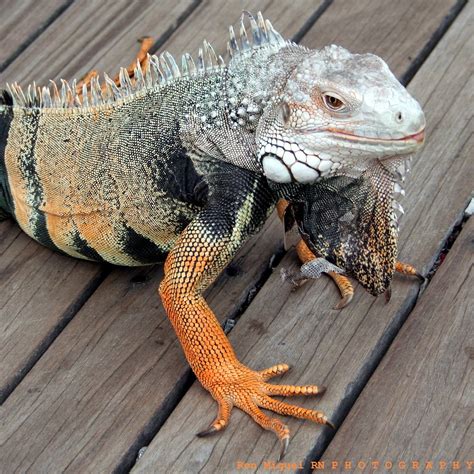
<point>184,163</point>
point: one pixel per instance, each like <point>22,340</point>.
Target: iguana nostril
<point>399,117</point>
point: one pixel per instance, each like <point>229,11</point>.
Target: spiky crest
<point>160,70</point>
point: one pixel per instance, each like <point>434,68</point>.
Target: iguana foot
<point>248,390</point>
<point>297,279</point>
<point>344,285</point>
<point>342,282</point>
<point>347,290</point>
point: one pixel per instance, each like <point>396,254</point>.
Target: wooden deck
<point>90,369</point>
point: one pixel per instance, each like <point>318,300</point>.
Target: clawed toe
<point>210,431</point>
<point>287,409</point>
<point>291,390</point>
<point>250,391</point>
<point>408,269</point>
<point>273,371</point>
<point>221,421</point>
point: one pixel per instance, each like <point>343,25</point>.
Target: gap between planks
<point>424,386</point>
<point>32,17</point>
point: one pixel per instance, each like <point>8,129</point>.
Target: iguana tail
<point>6,115</point>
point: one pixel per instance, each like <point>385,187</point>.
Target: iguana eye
<point>332,102</point>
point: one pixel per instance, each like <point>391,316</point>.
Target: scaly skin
<point>190,161</point>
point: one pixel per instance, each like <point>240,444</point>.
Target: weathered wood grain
<point>338,349</point>
<point>41,290</point>
<point>95,35</point>
<point>112,376</point>
<point>22,22</point>
<point>289,18</point>
<point>393,33</point>
<point>419,404</point>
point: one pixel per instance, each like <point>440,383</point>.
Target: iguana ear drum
<point>350,222</point>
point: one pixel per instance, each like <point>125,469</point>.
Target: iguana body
<point>177,163</point>
<point>106,199</point>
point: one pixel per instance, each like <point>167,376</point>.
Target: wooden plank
<point>95,35</point>
<point>289,18</point>
<point>22,22</point>
<point>112,376</point>
<point>396,34</point>
<point>419,404</point>
<point>40,292</point>
<point>337,349</point>
<point>37,285</point>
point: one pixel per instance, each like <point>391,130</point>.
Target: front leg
<point>237,208</point>
<point>342,282</point>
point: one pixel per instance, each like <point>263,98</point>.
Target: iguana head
<point>337,109</point>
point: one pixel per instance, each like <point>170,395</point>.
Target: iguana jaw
<point>285,162</point>
<point>414,140</point>
<point>379,147</point>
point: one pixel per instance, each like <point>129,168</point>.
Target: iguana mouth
<point>418,137</point>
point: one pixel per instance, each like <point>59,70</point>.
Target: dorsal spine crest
<point>160,70</point>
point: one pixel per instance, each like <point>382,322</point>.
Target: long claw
<point>223,415</point>
<point>420,277</point>
<point>344,301</point>
<point>210,431</point>
<point>408,269</point>
<point>331,424</point>
<point>216,427</point>
<point>284,447</point>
